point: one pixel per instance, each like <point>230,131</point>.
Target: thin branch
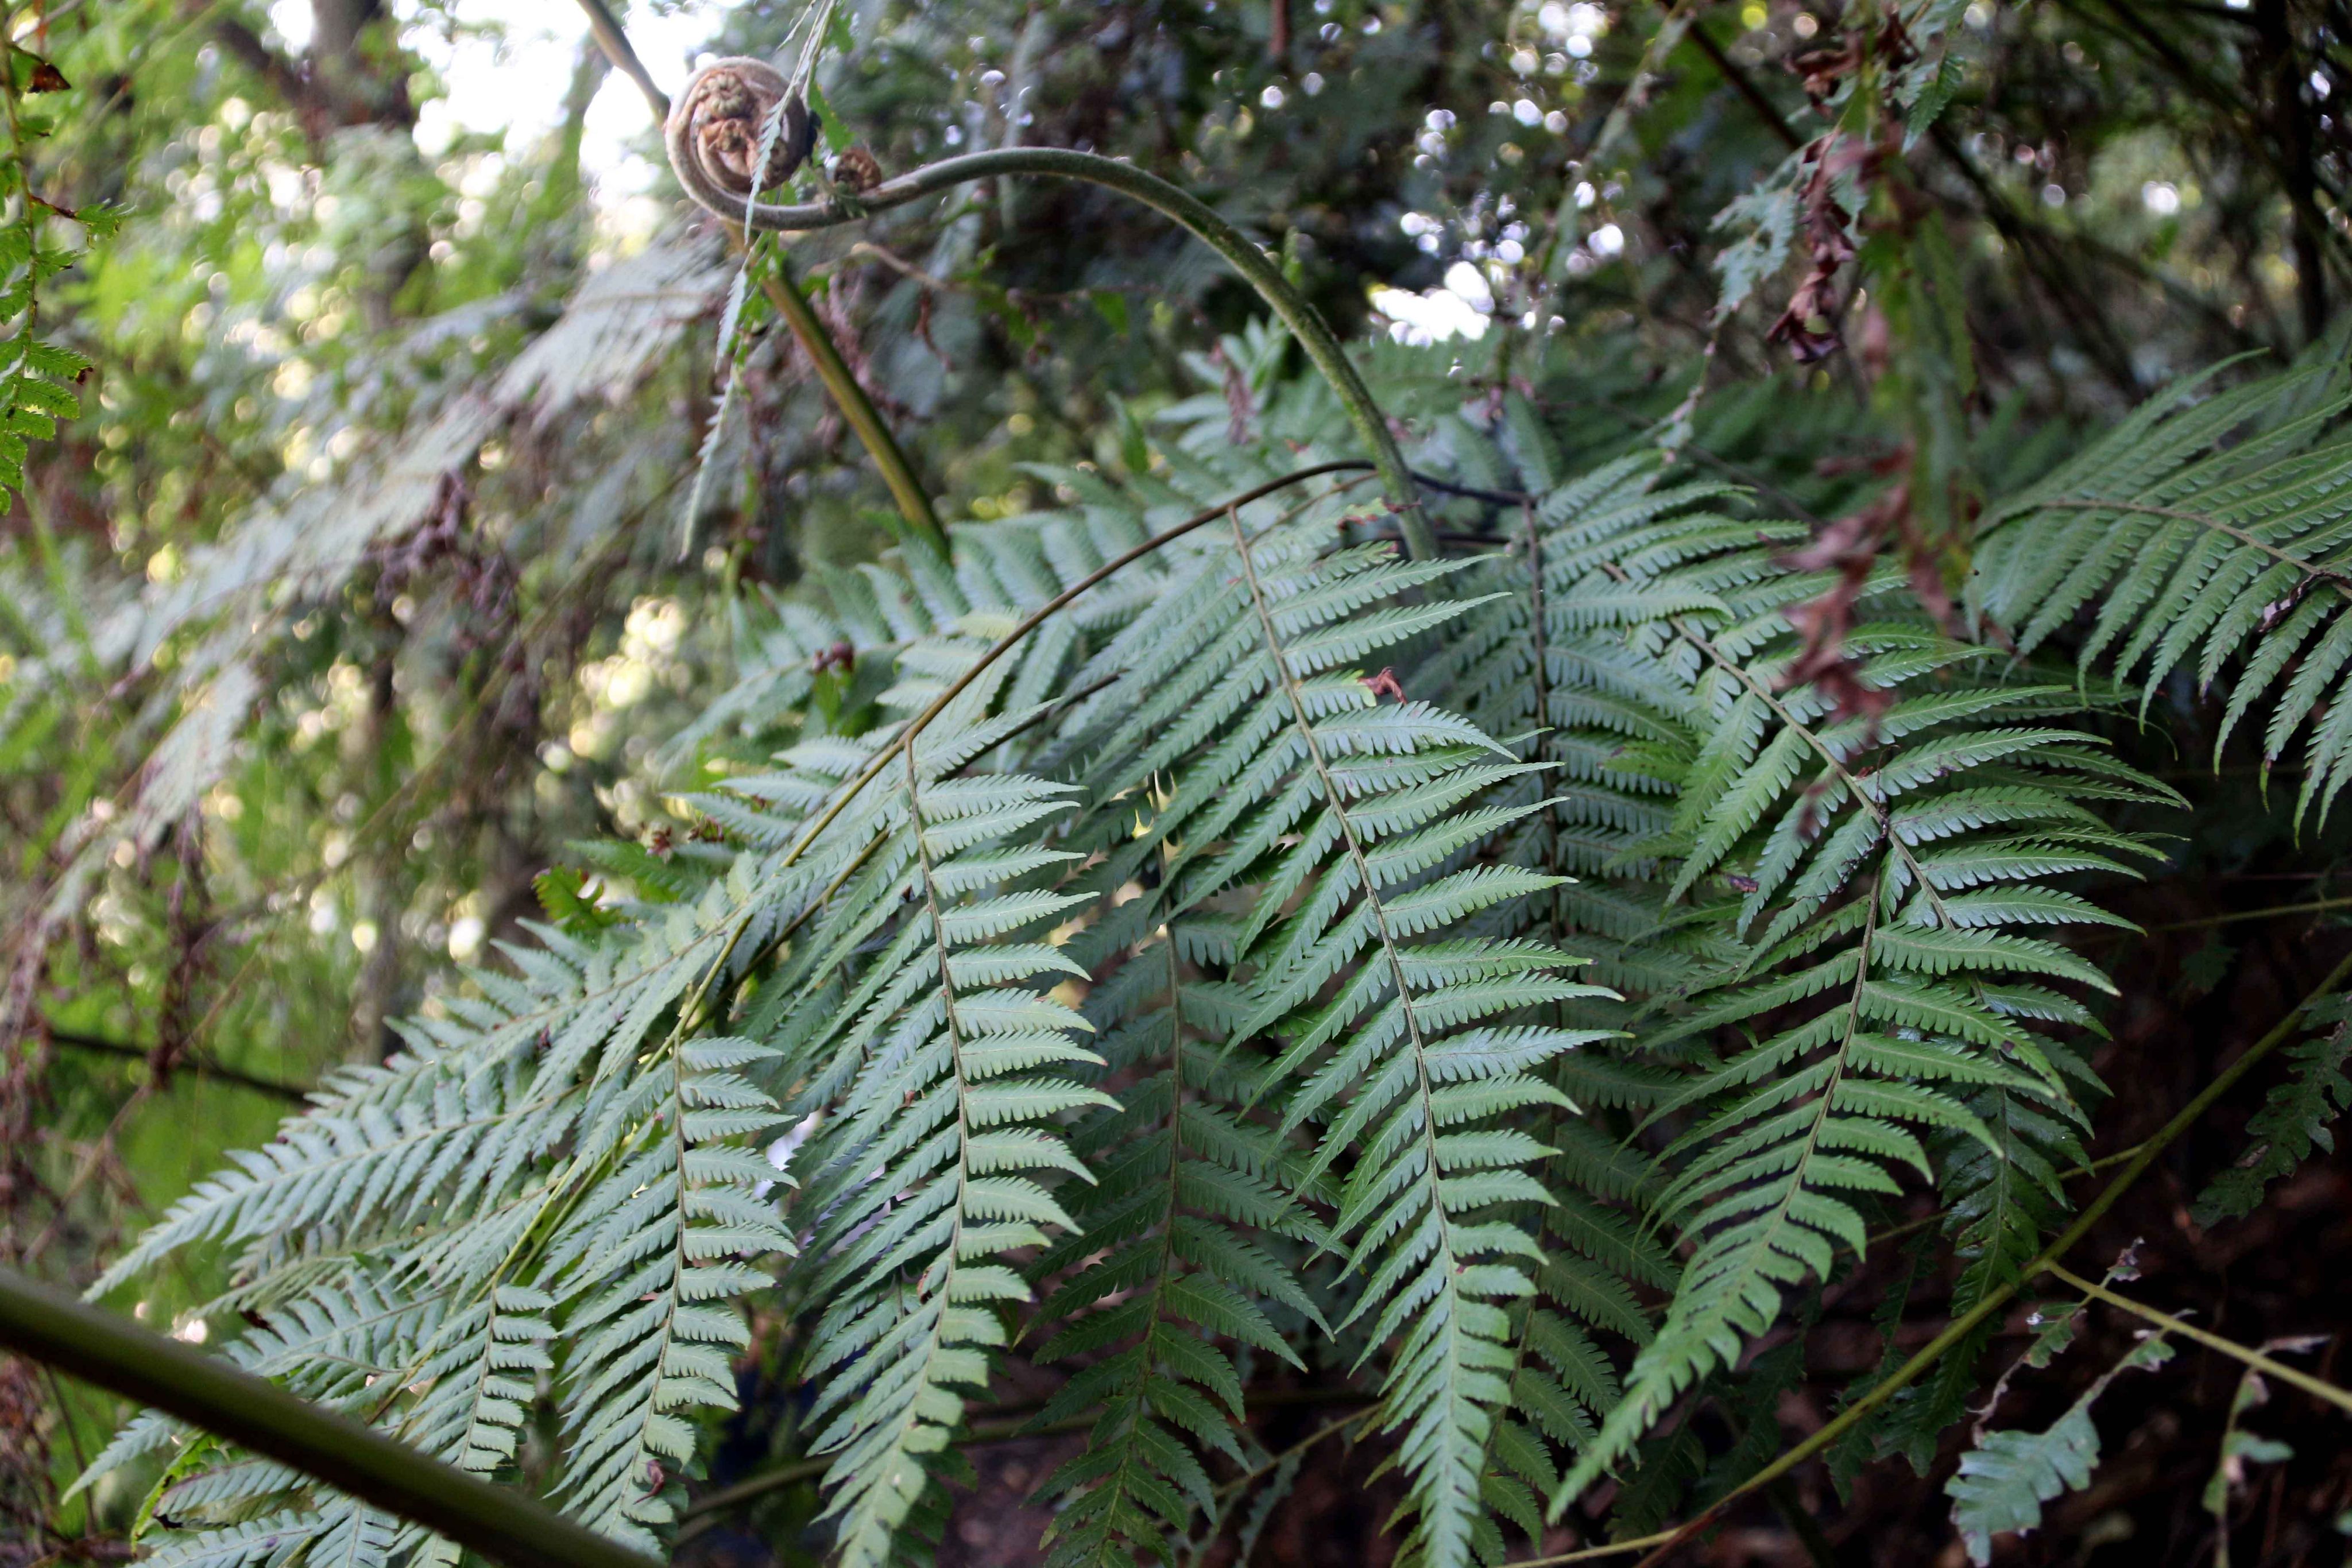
<point>2262,1364</point>
<point>501,1523</point>
<point>194,1061</point>
<point>914,502</point>
<point>606,29</point>
<point>1594,1554</point>
<point>701,1513</point>
<point>2315,906</point>
<point>284,77</point>
<point>1745,86</point>
<point>1274,1461</point>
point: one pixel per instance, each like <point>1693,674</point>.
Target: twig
<point>1328,1428</point>
<point>2311,1385</point>
<point>617,48</point>
<point>1594,1554</point>
<point>194,1061</point>
<point>1745,86</point>
<point>703,1512</point>
<point>699,1514</point>
<point>2313,908</point>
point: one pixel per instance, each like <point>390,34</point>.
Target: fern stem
<point>1672,1200</point>
<point>1595,1553</point>
<point>703,1512</point>
<point>914,502</point>
<point>1274,1461</point>
<point>2315,907</point>
<point>2254,1358</point>
<point>1966,1324</point>
<point>1202,220</point>
<point>504,1525</point>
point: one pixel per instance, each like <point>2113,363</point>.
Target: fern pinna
<point>1182,937</point>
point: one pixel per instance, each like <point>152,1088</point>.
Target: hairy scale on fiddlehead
<point>715,132</point>
<point>703,142</point>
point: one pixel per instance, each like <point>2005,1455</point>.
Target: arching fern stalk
<point>755,94</point>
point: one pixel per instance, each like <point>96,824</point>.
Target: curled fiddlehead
<point>715,129</point>
<point>714,136</point>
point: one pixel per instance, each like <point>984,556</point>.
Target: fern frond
<point>950,1061</point>
<point>1830,850</point>
<point>2204,534</point>
<point>1398,1061</point>
<point>1182,1183</point>
<point>2004,1480</point>
<point>2293,1119</point>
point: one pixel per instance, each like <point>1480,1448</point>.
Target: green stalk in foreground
<point>889,458</point>
<point>505,1526</point>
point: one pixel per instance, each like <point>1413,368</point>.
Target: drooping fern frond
<point>1870,871</point>
<point>1367,814</point>
<point>2293,1119</point>
<point>937,1063</point>
<point>1169,1260</point>
<point>2004,1481</point>
<point>2209,532</point>
<point>558,1159</point>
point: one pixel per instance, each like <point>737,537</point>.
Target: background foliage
<point>1308,1054</point>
